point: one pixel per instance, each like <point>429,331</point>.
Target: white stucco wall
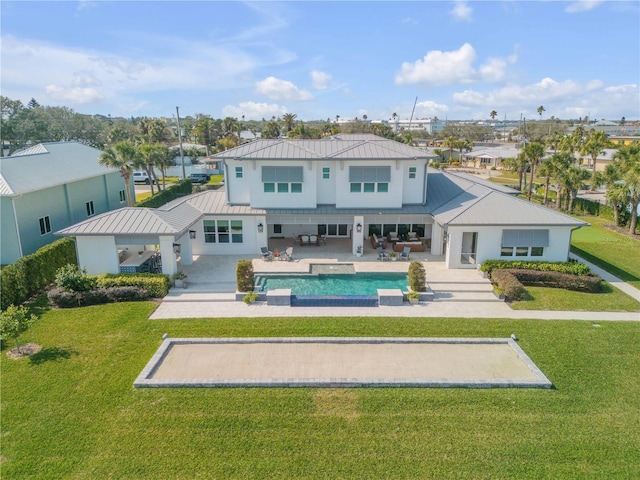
<point>490,241</point>
<point>97,255</point>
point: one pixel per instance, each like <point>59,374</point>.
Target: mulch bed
<point>25,350</point>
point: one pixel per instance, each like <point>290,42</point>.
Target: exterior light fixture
<point>260,227</point>
<point>176,248</point>
<point>192,234</point>
<point>359,227</point>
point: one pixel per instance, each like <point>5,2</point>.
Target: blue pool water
<point>328,284</point>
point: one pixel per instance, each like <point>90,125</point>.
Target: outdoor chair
<point>412,236</point>
<point>295,238</point>
<point>304,240</point>
<point>288,254</point>
<point>393,236</point>
<point>267,255</point>
<point>382,255</point>
<point>405,253</point>
<point>313,239</point>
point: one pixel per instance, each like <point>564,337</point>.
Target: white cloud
<point>77,95</point>
<point>430,108</point>
<point>453,67</point>
<point>582,6</point>
<point>254,111</point>
<point>567,99</point>
<point>461,12</point>
<point>320,80</point>
<point>280,90</point>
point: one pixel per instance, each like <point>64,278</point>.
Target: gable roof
<point>48,165</point>
<point>338,147</point>
<point>456,201</point>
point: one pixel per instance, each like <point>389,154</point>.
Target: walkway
<point>630,290</point>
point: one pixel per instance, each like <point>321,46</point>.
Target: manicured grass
<point>609,300</point>
<point>71,411</point>
<point>142,196</point>
<point>614,252</point>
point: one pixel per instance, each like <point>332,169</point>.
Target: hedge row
<point>156,284</point>
<point>180,189</point>
<point>571,267</point>
<point>513,281</point>
<point>64,299</point>
<point>31,273</point>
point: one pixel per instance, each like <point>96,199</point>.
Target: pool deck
<point>457,293</point>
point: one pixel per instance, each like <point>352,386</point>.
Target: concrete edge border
<point>145,378</point>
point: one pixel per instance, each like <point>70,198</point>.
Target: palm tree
<point>594,144</point>
<point>540,110</point>
<point>534,151</point>
<point>450,143</point>
<point>493,115</point>
<point>558,163</point>
<point>149,155</point>
<point>615,195</point>
<point>572,179</point>
<point>289,120</point>
<point>629,166</point>
<point>123,156</point>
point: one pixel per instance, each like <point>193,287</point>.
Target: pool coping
<point>145,378</point>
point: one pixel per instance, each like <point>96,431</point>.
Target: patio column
<point>357,236</point>
<point>169,259</point>
<point>436,239</point>
<point>186,252</point>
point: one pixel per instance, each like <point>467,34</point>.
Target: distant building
<point>429,125</point>
<point>51,186</point>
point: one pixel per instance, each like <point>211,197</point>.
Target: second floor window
<point>90,210</point>
<point>412,172</point>
<point>123,196</point>
<point>326,173</point>
<point>238,172</point>
<point>45,225</point>
<point>282,179</point>
<point>369,179</point>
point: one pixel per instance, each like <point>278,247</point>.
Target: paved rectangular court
<point>341,362</point>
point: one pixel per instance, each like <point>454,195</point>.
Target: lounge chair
<point>382,255</point>
<point>267,255</point>
<point>313,239</point>
<point>405,253</point>
<point>304,240</point>
<point>412,236</point>
<point>288,254</point>
<point>393,236</point>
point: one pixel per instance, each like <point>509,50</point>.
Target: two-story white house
<point>346,186</point>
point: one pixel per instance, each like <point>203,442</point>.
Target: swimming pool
<point>359,284</point>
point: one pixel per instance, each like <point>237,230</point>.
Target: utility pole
<point>184,174</point>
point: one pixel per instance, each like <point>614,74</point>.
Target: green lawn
<point>609,300</point>
<point>71,411</point>
<point>616,253</point>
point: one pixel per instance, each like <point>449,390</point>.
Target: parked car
<point>141,177</point>
<point>199,178</point>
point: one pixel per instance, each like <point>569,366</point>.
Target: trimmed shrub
<point>66,299</point>
<point>156,284</point>
<point>250,298</point>
<point>180,189</point>
<point>571,267</point>
<point>244,276</point>
<point>512,288</point>
<point>32,273</point>
<point>417,277</point>
<point>579,283</point>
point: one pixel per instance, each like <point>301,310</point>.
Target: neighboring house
<point>50,186</point>
<point>488,157</point>
<point>604,158</point>
<point>346,186</point>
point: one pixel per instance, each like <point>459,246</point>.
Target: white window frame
<point>45,225</point>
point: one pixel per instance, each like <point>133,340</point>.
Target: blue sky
<point>322,59</point>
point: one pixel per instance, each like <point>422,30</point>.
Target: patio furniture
<point>313,239</point>
<point>323,239</point>
<point>412,237</point>
<point>405,253</point>
<point>304,240</point>
<point>295,238</point>
<point>267,255</point>
<point>378,241</point>
<point>287,255</point>
<point>413,246</point>
<point>393,236</point>
<point>382,255</point>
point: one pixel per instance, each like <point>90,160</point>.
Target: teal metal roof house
<point>50,186</point>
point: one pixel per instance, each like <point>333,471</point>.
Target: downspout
<point>15,219</point>
<point>227,186</point>
<point>424,184</point>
